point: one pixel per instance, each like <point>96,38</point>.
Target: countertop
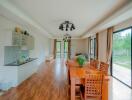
<point>19,64</point>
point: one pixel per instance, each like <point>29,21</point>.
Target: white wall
<point>79,46</point>
<point>102,45</point>
<point>124,24</point>
<point>52,47</point>
<point>42,47</point>
<point>42,43</point>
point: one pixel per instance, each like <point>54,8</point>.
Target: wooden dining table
<point>77,73</point>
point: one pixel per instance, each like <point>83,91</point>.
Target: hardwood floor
<point>49,83</point>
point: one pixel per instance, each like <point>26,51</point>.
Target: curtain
<point>97,45</point>
<point>54,51</point>
<point>69,49</point>
<point>109,44</point>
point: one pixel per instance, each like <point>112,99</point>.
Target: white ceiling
<point>49,14</point>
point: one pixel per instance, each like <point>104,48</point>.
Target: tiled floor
<point>122,73</point>
<point>119,91</point>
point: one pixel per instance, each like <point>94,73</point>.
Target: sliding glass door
<point>121,57</point>
<point>65,49</point>
<point>58,49</point>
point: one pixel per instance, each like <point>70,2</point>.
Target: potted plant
<point>81,60</point>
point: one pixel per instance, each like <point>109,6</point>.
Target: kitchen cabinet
<point>15,75</point>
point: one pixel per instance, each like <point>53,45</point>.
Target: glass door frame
<point>64,49</point>
<point>111,69</point>
<point>93,48</point>
<point>60,48</point>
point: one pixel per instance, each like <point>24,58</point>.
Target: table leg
<point>72,88</point>
<point>105,89</point>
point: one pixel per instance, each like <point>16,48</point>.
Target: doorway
<point>62,49</point>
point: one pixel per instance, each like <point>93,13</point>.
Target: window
<point>93,48</point>
<point>121,57</point>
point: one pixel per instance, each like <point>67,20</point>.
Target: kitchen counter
<point>16,74</point>
<point>18,64</point>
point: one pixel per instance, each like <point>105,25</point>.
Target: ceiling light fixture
<point>67,26</point>
<point>66,38</point>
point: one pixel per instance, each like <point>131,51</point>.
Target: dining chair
<point>93,87</point>
<point>104,67</point>
<point>94,64</point>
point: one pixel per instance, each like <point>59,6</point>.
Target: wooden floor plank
<point>49,83</point>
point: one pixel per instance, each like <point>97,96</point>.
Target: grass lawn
<point>124,61</point>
